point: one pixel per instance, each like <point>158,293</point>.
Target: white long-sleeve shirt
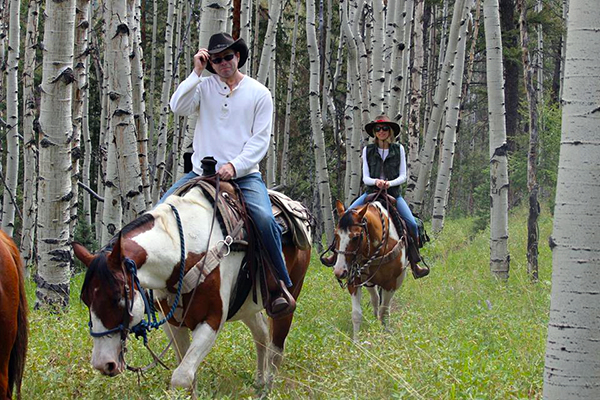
<point>233,125</point>
<point>370,181</point>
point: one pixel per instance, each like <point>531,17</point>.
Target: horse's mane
<point>346,221</point>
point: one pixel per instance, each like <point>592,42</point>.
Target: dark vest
<point>391,167</point>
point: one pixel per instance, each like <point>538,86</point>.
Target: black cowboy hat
<point>382,120</point>
<point>222,41</point>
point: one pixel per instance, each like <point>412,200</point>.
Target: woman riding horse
<point>384,168</point>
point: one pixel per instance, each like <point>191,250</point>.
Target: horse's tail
<point>16,364</point>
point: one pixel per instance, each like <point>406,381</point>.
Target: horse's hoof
<point>182,379</point>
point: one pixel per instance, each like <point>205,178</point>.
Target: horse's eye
<point>354,238</point>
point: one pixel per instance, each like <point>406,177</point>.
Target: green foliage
<point>549,148</point>
<point>457,334</point>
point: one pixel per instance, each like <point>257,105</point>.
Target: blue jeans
<point>402,207</point>
<point>259,208</point>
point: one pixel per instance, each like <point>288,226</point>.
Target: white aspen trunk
<point>377,95</point>
<point>349,128</point>
<point>572,365</point>
<point>316,123</point>
<point>405,69</point>
<point>161,146</point>
<point>152,92</point>
<point>178,127</point>
<point>539,57</point>
<point>444,176</point>
<point>82,25</point>
<point>56,128</point>
<point>388,50</point>
<point>288,103</point>
<point>397,75</point>
<point>9,203</point>
<point>139,95</point>
<point>363,63</point>
<point>254,48</point>
<point>499,256</point>
<point>415,191</point>
<point>272,150</point>
<point>327,89</point>
<point>565,18</point>
<point>30,143</point>
<point>269,43</point>
<point>87,159</point>
<point>354,147</point>
<point>185,128</point>
<point>532,154</point>
<point>213,19</point>
<point>246,28</point>
<point>414,114</point>
<point>122,125</point>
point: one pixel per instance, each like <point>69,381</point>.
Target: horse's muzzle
<point>111,368</point>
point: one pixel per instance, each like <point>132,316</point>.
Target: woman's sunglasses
<point>218,60</point>
<point>384,128</point>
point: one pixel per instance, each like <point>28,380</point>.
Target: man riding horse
<point>235,115</point>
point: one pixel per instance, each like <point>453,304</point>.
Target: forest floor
<point>456,334</point>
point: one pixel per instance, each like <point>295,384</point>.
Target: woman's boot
<point>414,258</point>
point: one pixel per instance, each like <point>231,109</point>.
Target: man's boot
<point>283,303</point>
<point>414,258</point>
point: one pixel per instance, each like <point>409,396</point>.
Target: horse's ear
<point>115,253</point>
<point>361,213</point>
<point>340,208</point>
<point>82,253</point>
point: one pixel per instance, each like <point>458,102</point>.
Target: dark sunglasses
<point>384,128</point>
<point>218,60</point>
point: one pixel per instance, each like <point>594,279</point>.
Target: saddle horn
<point>208,166</point>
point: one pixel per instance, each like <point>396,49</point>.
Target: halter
<point>144,326</point>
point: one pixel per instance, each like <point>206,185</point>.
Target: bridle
<point>145,325</point>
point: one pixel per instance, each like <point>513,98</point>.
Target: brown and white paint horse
<point>13,318</point>
<point>152,242</point>
<point>372,254</point>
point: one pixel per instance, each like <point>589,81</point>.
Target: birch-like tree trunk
<point>120,110</point>
<point>134,13</point>
<point>30,146</point>
<point>246,28</point>
<point>9,202</point>
<point>414,114</point>
<point>269,43</point>
<point>152,91</point>
<point>272,150</point>
<point>430,141</point>
<point>572,363</point>
<point>499,256</point>
<point>397,75</point>
<point>532,154</point>
<point>316,123</point>
<point>82,25</point>
<point>288,103</point>
<point>161,146</point>
<point>405,69</point>
<point>54,272</point>
<point>377,95</point>
<point>444,176</point>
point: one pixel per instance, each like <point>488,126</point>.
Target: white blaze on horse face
<point>340,268</point>
<point>106,355</point>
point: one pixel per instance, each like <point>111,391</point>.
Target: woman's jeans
<point>402,207</point>
<point>258,205</point>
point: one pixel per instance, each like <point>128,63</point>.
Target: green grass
<point>457,334</point>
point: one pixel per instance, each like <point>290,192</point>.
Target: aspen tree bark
<point>572,365</point>
<point>353,148</point>
<point>539,57</point>
<point>122,124</point>
<point>152,91</point>
<point>316,123</point>
<point>426,155</point>
<point>499,256</point>
<point>357,19</point>
<point>269,43</point>
<point>134,13</point>
<point>82,25</point>
<point>9,201</point>
<point>246,28</point>
<point>565,19</point>
<point>161,146</point>
<point>397,75</point>
<point>388,51</point>
<point>178,121</point>
<point>326,95</point>
<point>414,114</point>
<point>405,69</point>
<point>87,159</point>
<point>442,187</point>
<point>532,154</point>
<point>30,143</point>
<point>56,129</point>
<point>272,150</point>
<point>288,103</point>
<point>377,95</point>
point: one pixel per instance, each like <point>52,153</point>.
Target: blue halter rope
<point>144,326</point>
